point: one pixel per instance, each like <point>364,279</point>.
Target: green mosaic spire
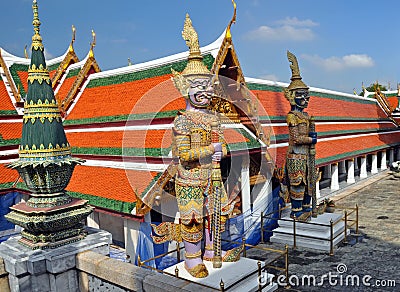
<point>43,138</point>
<point>50,217</point>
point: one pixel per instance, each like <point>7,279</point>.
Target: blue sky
<point>339,44</point>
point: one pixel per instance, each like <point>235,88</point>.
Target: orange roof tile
<point>7,175</point>
<point>161,138</point>
<point>65,88</point>
<point>129,97</point>
<point>393,102</point>
<point>275,104</point>
<point>351,126</point>
<point>231,136</point>
<point>362,143</point>
<point>131,138</point>
<point>11,130</point>
<point>110,183</point>
<point>331,148</point>
<point>52,72</point>
<point>321,128</point>
<point>5,101</point>
<point>23,76</point>
<point>329,107</point>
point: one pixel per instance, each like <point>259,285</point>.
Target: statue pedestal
<point>229,273</point>
<point>49,269</point>
<point>321,233</point>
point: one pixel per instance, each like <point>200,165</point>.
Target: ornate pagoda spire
<point>43,138</point>
<point>50,217</point>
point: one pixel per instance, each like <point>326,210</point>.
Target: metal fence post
<point>294,233</point>
<point>244,246</point>
<point>222,285</point>
<point>176,272</point>
<point>287,266</point>
<point>262,227</point>
<point>357,219</point>
<point>345,226</point>
<point>259,276</point>
<point>331,249</point>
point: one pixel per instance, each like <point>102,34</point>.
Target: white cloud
<point>294,21</point>
<point>285,32</point>
<point>339,63</point>
<point>290,28</point>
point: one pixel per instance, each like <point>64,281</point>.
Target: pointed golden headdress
<point>195,66</point>
<point>296,82</point>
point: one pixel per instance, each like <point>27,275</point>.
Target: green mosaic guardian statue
<point>300,157</point>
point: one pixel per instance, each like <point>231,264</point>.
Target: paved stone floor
<point>372,259</point>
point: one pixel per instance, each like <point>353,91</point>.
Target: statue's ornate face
<point>200,92</point>
<point>301,98</point>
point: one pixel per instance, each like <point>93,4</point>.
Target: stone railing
<point>97,272</point>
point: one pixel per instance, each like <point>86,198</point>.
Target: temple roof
<point>120,120</point>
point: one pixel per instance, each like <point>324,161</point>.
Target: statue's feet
<point>194,265</point>
<point>198,271</point>
<point>232,255</point>
<point>301,216</point>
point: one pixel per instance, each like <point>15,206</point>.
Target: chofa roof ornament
<point>296,82</point>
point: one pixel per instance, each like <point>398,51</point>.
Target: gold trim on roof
<point>233,20</point>
<point>71,45</point>
<point>92,44</point>
<point>82,75</point>
<point>223,67</point>
<point>69,59</point>
<point>6,70</point>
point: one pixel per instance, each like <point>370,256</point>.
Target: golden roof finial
<point>71,45</point>
<point>92,44</point>
<point>195,63</point>
<point>233,20</point>
<point>36,38</point>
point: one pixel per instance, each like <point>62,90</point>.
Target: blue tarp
<point>6,201</point>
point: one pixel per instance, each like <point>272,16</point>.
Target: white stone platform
<point>321,234</point>
<point>229,273</point>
